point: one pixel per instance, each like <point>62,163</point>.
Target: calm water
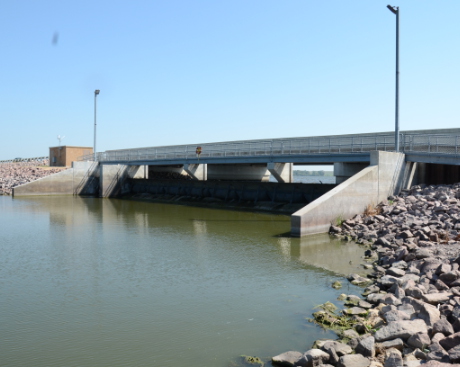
<point>310,179</point>
<point>99,282</point>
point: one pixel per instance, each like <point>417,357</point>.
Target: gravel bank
<point>13,174</point>
<point>409,311</point>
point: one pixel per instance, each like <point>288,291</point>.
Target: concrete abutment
<point>373,184</point>
<point>81,179</point>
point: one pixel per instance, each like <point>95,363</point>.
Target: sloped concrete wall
<point>384,177</point>
<point>81,179</point>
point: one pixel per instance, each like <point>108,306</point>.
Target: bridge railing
<point>432,144</point>
<point>420,143</point>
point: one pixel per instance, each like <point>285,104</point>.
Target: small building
<point>63,156</point>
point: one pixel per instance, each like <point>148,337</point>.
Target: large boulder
<point>287,359</point>
<point>443,326</point>
<point>440,364</point>
<point>353,360</point>
<point>340,348</point>
<point>451,341</point>
<point>395,315</point>
<point>454,354</point>
<point>393,358</point>
<point>400,329</point>
<point>313,358</point>
<point>436,298</point>
<point>366,347</point>
<point>419,340</point>
<point>430,314</point>
<point>437,353</point>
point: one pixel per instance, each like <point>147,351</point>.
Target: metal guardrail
<point>18,160</point>
<point>420,143</point>
<point>431,144</point>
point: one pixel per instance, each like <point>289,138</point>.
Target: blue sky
<point>198,71</point>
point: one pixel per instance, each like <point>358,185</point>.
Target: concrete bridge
<point>256,159</point>
<point>366,167</point>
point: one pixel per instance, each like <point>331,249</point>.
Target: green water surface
<point>101,282</point>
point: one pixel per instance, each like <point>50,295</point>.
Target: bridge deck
<point>440,146</point>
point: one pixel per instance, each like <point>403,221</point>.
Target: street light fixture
<point>96,92</point>
<point>395,10</point>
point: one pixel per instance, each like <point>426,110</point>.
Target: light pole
<point>96,92</point>
<point>395,10</point>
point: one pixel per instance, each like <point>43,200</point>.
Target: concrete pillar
<point>420,174</point>
<point>137,172</point>
<point>198,172</point>
<point>281,171</point>
<point>391,170</point>
<point>111,178</point>
<point>238,172</point>
<point>343,171</point>
<point>411,169</point>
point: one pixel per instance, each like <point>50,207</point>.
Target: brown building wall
<point>65,155</point>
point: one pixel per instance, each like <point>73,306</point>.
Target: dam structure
<point>366,167</point>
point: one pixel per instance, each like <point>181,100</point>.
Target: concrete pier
<point>198,172</point>
<point>281,171</point>
<point>113,178</point>
<point>344,170</point>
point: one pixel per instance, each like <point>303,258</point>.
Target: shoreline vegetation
<point>408,313</point>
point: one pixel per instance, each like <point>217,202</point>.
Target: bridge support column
<point>138,172</point>
<point>112,178</point>
<point>343,171</point>
<point>198,172</point>
<point>281,171</point>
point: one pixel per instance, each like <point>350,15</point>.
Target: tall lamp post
<point>96,92</point>
<point>395,10</point>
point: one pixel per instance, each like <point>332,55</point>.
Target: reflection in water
<point>285,246</point>
<point>199,227</point>
<point>104,282</point>
<point>325,252</point>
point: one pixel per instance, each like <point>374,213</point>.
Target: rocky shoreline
<point>13,174</point>
<point>409,311</point>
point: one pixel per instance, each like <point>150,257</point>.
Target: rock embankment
<point>13,174</point>
<point>409,314</point>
